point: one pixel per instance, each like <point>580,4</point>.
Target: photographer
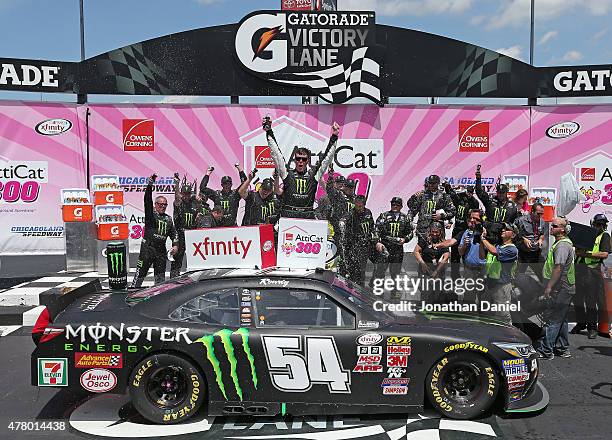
<point>531,235</point>
<point>464,201</point>
<point>432,258</point>
<point>501,263</point>
<point>227,198</point>
<point>559,274</point>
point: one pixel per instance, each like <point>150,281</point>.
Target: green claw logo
<point>460,211</point>
<point>162,227</point>
<point>500,214</point>
<point>365,227</point>
<point>395,228</point>
<point>300,186</point>
<point>188,219</point>
<point>431,205</point>
<point>116,259</point>
<point>226,340</point>
<point>225,205</point>
<point>267,211</point>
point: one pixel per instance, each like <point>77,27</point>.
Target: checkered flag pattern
<point>133,72</point>
<point>339,84</point>
<point>114,360</point>
<point>480,73</point>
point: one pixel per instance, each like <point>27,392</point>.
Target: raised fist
<point>253,173</point>
<point>210,170</point>
<point>153,178</point>
<point>177,176</point>
<point>478,171</point>
<point>267,123</point>
<point>335,129</point>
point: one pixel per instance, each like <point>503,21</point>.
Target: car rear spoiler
<point>56,300</point>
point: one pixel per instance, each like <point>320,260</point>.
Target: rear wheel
<point>462,385</point>
<point>166,389</point>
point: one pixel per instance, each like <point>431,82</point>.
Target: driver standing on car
<point>158,227</point>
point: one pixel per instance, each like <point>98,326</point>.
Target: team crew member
<point>394,229</point>
<point>300,184</point>
<point>432,258</point>
<point>359,241</point>
<point>431,205</point>
<point>227,198</point>
<point>560,277</point>
<point>532,230</point>
<point>262,206</point>
<point>498,209</point>
<point>158,227</point>
<point>185,217</point>
<point>464,201</point>
<point>589,282</point>
<point>500,269</point>
<point>216,219</point>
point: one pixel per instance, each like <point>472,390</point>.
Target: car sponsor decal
<point>466,346</point>
<point>517,375</point>
<point>369,339</point>
<point>395,386</point>
<point>277,283</point>
<point>368,324</point>
<point>442,401</point>
<point>375,350</point>
<point>225,336</point>
<point>399,349</point>
<point>395,372</point>
<point>98,380</point>
<point>94,301</point>
<point>129,334</point>
<point>490,381</point>
<point>399,340</point>
<point>113,348</point>
<point>368,359</point>
<point>101,360</point>
<point>295,367</point>
<point>52,372</point>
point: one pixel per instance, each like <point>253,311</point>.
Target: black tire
<point>167,389</point>
<point>462,385</point>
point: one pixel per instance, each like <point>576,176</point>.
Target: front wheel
<point>462,385</point>
<point>166,389</point>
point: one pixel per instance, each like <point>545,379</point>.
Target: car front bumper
<point>536,400</point>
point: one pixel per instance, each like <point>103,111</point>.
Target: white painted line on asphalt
<point>30,317</point>
<point>467,426</point>
<point>7,329</point>
<point>53,280</point>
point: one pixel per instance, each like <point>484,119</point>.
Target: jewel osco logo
<point>52,372</point>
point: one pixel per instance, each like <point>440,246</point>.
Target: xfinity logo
<point>27,75</point>
<point>562,130</point>
<point>53,127</point>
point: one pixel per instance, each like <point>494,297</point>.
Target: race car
<point>276,342</point>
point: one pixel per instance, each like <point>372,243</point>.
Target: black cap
<point>510,227</point>
<point>600,218</point>
<point>267,184</point>
<point>433,179</point>
<point>360,198</point>
<point>226,179</point>
<point>217,208</point>
<point>340,179</point>
<point>397,201</point>
<point>351,183</point>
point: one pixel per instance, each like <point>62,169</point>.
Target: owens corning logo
<point>188,219</point>
<point>162,227</point>
<point>225,205</point>
<point>394,229</point>
<point>226,340</point>
<point>500,214</point>
<point>116,259</point>
<point>301,186</point>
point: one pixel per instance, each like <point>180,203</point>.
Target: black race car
<point>280,342</point>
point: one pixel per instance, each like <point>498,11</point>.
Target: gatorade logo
<point>114,230</point>
<point>78,212</point>
<point>301,186</point>
<point>116,259</point>
<point>110,198</point>
<point>394,229</point>
<point>162,227</point>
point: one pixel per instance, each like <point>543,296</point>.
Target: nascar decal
<point>395,386</point>
<point>295,368</point>
<point>466,346</point>
<point>225,337</point>
<point>399,349</point>
<point>368,359</point>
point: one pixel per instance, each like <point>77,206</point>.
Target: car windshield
<point>359,296</point>
<point>143,295</point>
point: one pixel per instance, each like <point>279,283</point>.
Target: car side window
<point>217,308</point>
<point>299,308</point>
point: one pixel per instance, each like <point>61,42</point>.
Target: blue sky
<point>568,32</point>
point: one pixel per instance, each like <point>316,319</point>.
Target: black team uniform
<point>496,211</point>
<point>259,211</point>
<point>299,190</point>
<point>464,202</point>
<point>228,200</point>
<point>392,226</point>
<point>158,227</point>
<point>425,204</point>
<point>185,219</point>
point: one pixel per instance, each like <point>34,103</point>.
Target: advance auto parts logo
<point>225,336</point>
<point>138,135</point>
<point>334,53</point>
<point>474,136</point>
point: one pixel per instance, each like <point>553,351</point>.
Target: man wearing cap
<point>431,205</point>
<point>216,219</point>
<point>158,227</point>
<point>394,229</point>
<point>560,278</point>
<point>589,281</point>
<point>500,270</point>
<point>301,183</point>
<point>464,201</point>
<point>262,206</point>
<point>532,231</point>
<point>227,198</point>
<point>359,240</point>
<point>185,214</point>
<point>498,209</point>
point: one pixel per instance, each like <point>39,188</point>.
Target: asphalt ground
<point>580,407</point>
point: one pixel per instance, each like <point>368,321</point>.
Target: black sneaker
<point>577,329</point>
<point>548,357</point>
<point>564,354</point>
<point>592,334</point>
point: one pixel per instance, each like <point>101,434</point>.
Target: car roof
<point>278,272</point>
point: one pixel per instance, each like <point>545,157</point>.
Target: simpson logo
<point>52,372</point>
<point>138,135</point>
<point>587,174</point>
<point>334,54</point>
<point>395,386</point>
<point>474,136</point>
<point>562,130</point>
<point>53,127</point>
<point>98,380</point>
<point>101,360</point>
<point>263,158</point>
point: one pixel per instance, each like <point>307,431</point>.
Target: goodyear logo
<point>301,186</point>
<point>225,336</point>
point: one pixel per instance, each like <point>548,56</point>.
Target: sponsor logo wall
<point>389,151</point>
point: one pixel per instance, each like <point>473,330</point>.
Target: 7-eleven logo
<point>52,372</point>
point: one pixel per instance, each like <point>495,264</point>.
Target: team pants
<point>177,264</point>
<point>533,260</point>
<point>455,258</point>
<point>356,260</point>
<point>589,296</point>
<point>394,262</point>
<point>150,256</point>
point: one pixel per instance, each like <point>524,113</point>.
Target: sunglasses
<point>301,159</point>
<point>161,204</point>
<point>555,226</point>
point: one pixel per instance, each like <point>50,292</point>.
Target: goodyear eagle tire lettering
<point>462,385</point>
<point>166,389</point>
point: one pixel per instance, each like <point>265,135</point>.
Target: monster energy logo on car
<point>394,229</point>
<point>267,210</point>
<point>225,205</point>
<point>116,259</point>
<point>162,227</point>
<point>301,186</point>
<point>226,340</point>
<point>500,214</point>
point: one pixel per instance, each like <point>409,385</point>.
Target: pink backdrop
<point>408,142</point>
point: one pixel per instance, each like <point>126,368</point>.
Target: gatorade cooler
<point>77,213</point>
<point>113,231</point>
<point>116,258</point>
<point>108,197</point>
<point>605,315</point>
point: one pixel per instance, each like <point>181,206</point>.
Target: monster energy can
<point>116,258</point>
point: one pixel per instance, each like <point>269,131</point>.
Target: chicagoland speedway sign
<point>333,54</point>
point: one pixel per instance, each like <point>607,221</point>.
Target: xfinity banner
<point>333,54</point>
